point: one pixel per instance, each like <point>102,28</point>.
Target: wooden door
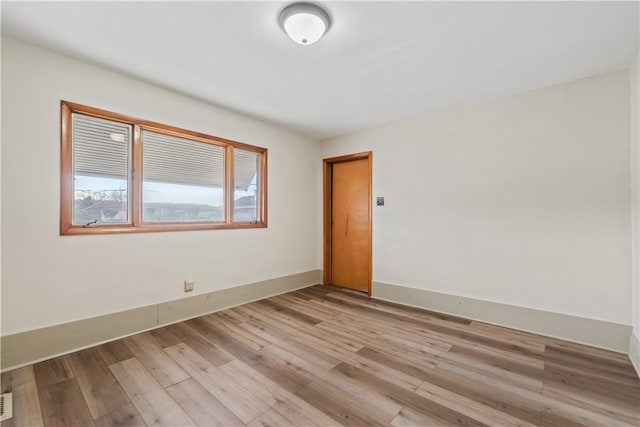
<point>350,223</point>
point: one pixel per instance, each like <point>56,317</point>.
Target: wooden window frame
<point>136,225</point>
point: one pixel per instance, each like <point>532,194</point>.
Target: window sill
<point>151,228</point>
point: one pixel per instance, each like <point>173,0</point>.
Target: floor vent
<point>6,406</point>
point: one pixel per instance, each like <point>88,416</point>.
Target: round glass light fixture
<point>304,23</point>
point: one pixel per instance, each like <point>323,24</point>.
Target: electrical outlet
<point>188,286</point>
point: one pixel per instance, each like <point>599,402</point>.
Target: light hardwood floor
<point>324,356</point>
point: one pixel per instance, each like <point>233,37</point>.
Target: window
<point>246,167</point>
<point>182,180</point>
<point>121,174</point>
<point>101,165</point>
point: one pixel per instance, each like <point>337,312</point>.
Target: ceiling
<point>380,61</point>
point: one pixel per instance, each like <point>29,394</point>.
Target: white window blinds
<point>245,168</point>
<point>100,147</point>
<point>174,160</point>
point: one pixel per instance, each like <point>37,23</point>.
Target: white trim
<point>634,352</point>
<point>33,346</point>
<point>597,333</point>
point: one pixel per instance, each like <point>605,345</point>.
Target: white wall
<point>522,201</point>
<point>634,106</point>
<point>49,279</point>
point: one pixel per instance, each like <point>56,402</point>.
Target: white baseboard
<point>40,344</point>
<point>28,347</point>
<point>634,351</point>
<point>597,333</point>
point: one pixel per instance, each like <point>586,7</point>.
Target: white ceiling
<point>379,62</point>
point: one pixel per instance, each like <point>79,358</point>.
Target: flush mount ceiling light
<point>305,23</point>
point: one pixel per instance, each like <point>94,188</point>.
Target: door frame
<point>327,181</point>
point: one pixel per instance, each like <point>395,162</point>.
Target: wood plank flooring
<point>326,356</point>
